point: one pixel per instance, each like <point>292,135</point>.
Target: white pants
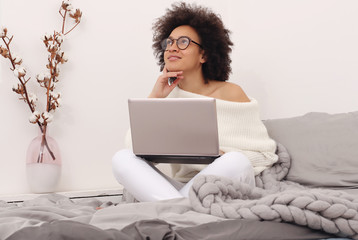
<point>146,183</point>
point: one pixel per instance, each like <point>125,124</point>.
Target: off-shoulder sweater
<point>240,129</point>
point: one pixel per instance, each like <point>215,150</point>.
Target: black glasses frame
<point>165,44</point>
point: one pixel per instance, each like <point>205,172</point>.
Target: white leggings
<point>146,183</point>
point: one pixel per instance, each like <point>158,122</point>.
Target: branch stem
<point>72,28</point>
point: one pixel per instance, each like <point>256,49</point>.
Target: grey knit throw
<point>274,199</point>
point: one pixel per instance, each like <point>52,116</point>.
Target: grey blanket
<point>273,199</point>
<point>56,217</point>
<point>158,229</point>
<point>96,213</point>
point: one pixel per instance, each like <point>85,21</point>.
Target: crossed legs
<point>146,183</point>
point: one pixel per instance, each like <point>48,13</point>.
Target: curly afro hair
<point>214,37</point>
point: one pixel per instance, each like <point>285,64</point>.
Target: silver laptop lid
<point>174,126</point>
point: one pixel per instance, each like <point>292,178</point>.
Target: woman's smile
<point>173,58</point>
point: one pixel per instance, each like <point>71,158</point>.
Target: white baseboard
<point>98,193</point>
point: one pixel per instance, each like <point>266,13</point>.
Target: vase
<point>43,163</point>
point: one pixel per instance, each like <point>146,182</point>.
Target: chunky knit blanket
<point>274,199</point>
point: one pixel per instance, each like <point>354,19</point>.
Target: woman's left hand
<point>161,88</point>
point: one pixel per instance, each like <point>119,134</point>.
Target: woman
<point>193,47</point>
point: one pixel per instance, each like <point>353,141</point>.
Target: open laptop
<point>174,130</point>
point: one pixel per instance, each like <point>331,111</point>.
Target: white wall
<point>294,56</point>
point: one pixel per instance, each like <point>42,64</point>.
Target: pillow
<point>323,148</point>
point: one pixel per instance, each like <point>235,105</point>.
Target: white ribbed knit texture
<point>240,129</point>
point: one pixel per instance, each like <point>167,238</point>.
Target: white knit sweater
<point>240,129</point>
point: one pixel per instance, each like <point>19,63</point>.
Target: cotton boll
<point>46,37</point>
<point>16,87</point>
<point>51,46</point>
<point>47,75</point>
<point>67,2</point>
<point>17,59</point>
<point>73,11</point>
<point>40,77</point>
<point>34,117</point>
<point>55,95</point>
<point>46,116</point>
<point>64,57</point>
<point>33,98</point>
<point>69,7</point>
<point>16,73</point>
<point>60,38</point>
<point>3,32</point>
<point>65,5</point>
<point>59,102</point>
<point>22,71</point>
<point>76,15</point>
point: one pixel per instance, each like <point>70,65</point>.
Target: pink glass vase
<point>43,164</point>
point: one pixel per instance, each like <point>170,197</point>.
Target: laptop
<point>174,130</point>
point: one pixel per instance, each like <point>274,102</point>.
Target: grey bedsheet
<point>92,219</point>
<point>159,229</point>
<point>104,215</point>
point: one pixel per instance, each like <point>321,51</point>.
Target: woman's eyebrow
<point>171,37</point>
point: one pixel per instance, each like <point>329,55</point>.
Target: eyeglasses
<point>182,43</point>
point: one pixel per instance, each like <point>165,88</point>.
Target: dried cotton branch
<point>46,80</point>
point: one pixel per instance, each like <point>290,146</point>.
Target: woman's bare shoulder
<point>231,92</point>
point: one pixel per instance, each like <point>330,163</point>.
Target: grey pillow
<point>323,148</point>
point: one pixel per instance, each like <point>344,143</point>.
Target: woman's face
<point>187,60</point>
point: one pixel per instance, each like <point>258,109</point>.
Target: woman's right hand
<point>161,88</point>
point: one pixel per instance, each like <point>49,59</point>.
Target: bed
<point>311,193</point>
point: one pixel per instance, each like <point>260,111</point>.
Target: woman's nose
<point>173,47</point>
